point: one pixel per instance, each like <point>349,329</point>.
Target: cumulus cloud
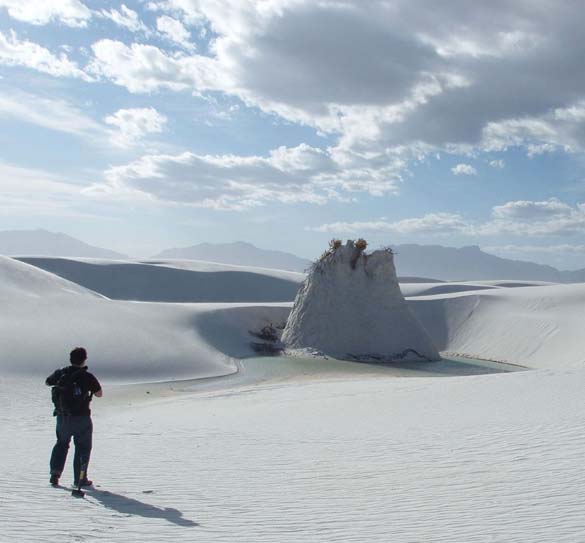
<point>387,80</point>
<point>518,218</point>
<point>464,169</point>
<point>498,164</point>
<point>287,175</point>
<point>68,12</point>
<point>145,68</point>
<point>388,74</point>
<point>531,210</point>
<point>545,218</point>
<point>547,133</point>
<point>125,18</point>
<point>16,52</point>
<point>174,31</point>
<point>134,124</point>
<point>381,76</point>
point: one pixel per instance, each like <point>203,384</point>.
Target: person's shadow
<point>130,506</point>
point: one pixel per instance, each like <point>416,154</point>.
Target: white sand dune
<point>539,327</point>
<point>412,290</point>
<point>44,315</point>
<point>474,459</point>
<point>174,282</point>
<point>292,454</point>
<point>20,280</point>
<point>516,284</point>
<point>420,288</point>
<point>205,266</point>
<point>164,341</point>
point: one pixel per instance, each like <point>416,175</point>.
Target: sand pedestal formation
<point>351,305</point>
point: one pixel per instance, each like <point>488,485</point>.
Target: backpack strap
<point>69,375</point>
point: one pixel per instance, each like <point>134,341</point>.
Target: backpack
<point>68,395</point>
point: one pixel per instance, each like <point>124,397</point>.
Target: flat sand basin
<point>287,367</point>
<point>280,370</point>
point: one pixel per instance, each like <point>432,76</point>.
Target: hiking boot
<point>84,482</point>
<point>54,480</point>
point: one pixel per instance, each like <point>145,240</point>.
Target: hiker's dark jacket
<point>85,379</point>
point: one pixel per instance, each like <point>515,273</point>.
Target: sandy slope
<point>356,456</point>
<point>470,459</point>
<point>43,316</point>
<point>420,288</point>
<point>29,282</point>
<point>174,281</point>
<point>202,265</point>
<point>538,327</point>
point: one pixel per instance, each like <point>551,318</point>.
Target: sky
<point>146,125</point>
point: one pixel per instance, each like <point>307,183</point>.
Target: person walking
<point>73,389</point>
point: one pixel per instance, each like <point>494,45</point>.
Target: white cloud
<point>559,129</point>
<point>127,126</point>
<point>559,249</point>
<point>287,175</point>
<point>402,80</point>
<point>535,218</point>
<point>574,113</point>
<point>134,124</point>
<point>51,113</point>
<point>499,164</point>
<point>464,169</point>
<point>467,45</point>
<point>518,218</point>
<point>188,10</point>
<point>126,18</point>
<point>432,223</point>
<point>26,181</point>
<point>174,31</point>
<point>15,52</point>
<point>531,210</point>
<point>27,191</point>
<point>536,134</point>
<point>68,12</point>
<point>146,68</point>
<point>399,74</point>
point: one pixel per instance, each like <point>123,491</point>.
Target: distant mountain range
<point>471,263</point>
<point>44,243</point>
<point>412,261</point>
<point>240,253</point>
<point>431,261</point>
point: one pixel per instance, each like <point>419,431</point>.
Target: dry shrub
<point>334,244</point>
<point>361,244</point>
<point>267,333</point>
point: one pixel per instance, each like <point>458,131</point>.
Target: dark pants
<point>80,428</point>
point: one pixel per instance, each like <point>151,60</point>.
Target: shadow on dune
<point>150,283</point>
<point>450,367</point>
<point>451,289</point>
<point>228,329</point>
<point>130,506</point>
<point>443,317</point>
